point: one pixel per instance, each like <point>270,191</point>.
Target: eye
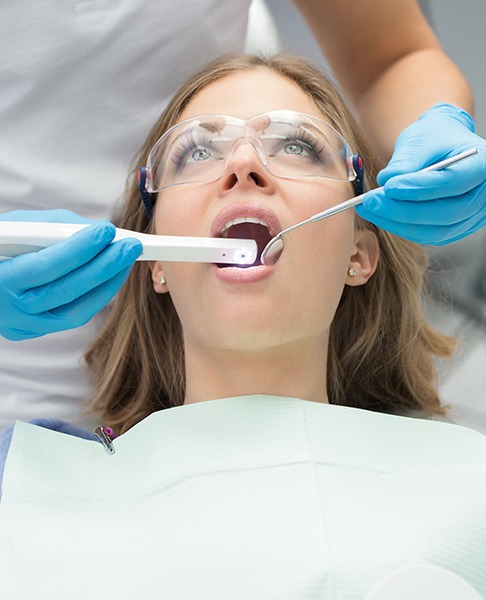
<point>199,154</point>
<point>296,149</point>
<point>298,143</point>
<point>188,153</point>
<point>194,146</point>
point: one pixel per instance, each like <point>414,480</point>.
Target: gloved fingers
<point>32,327</point>
<point>417,154</point>
<point>421,234</point>
<point>101,269</point>
<point>455,180</point>
<point>409,158</point>
<point>476,227</point>
<point>40,268</point>
<point>45,216</point>
<point>443,211</point>
<point>33,286</point>
<point>440,132</point>
<point>85,307</point>
<point>428,234</point>
<point>72,315</point>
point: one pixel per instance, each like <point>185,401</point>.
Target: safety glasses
<point>289,144</point>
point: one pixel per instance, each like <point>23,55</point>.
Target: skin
<point>269,336</point>
<point>388,61</point>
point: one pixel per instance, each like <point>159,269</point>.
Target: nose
<point>245,167</point>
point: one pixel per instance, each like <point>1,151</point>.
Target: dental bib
<point>247,498</point>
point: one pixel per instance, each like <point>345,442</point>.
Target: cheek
<point>314,197</point>
<point>323,247</point>
<point>177,212</point>
<point>169,221</point>
<point>320,263</point>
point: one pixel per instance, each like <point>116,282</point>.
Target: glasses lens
<point>191,152</point>
<point>304,148</point>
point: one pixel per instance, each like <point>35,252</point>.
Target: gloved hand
<point>436,207</point>
<point>63,286</point>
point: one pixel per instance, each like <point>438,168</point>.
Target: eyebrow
<point>262,123</point>
<point>211,126</point>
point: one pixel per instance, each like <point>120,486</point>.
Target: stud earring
<point>352,272</point>
<point>162,281</point>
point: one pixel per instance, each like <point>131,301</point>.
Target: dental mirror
<point>273,250</point>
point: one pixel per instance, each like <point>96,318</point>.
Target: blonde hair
<point>381,349</point>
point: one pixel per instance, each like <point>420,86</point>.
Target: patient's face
<point>261,307</point>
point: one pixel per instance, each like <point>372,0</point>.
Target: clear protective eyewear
<point>290,145</point>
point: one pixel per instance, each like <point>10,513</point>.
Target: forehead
<point>248,93</point>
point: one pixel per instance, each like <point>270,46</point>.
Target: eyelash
<point>307,140</point>
<point>185,148</point>
<point>180,153</point>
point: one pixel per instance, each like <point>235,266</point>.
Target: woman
<point>253,485</point>
<point>381,347</point>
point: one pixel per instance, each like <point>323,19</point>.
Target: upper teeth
<point>224,231</point>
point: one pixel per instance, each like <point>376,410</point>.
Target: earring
<point>162,281</point>
<point>352,272</point>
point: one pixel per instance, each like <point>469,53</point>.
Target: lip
<point>241,276</point>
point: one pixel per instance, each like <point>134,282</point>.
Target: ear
<point>158,279</point>
<point>365,257</point>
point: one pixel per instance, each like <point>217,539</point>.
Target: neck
<point>290,371</point>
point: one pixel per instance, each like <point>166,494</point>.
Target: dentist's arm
<point>388,62</point>
<point>63,286</point>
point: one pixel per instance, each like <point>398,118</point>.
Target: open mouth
<point>248,228</point>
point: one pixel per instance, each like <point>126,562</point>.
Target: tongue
<point>251,231</point>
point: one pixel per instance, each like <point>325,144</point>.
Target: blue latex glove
<point>54,424</point>
<point>63,286</point>
<point>436,207</point>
